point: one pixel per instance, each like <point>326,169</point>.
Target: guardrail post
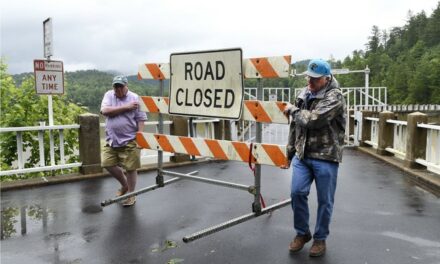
<point>179,127</point>
<point>366,128</point>
<point>415,139</point>
<point>89,144</point>
<point>386,133</point>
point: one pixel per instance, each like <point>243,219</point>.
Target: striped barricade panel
<point>259,111</point>
<point>267,67</point>
<point>155,71</point>
<point>265,111</point>
<point>154,104</point>
<point>264,67</point>
<point>268,154</point>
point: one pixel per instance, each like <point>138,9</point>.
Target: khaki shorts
<point>127,157</point>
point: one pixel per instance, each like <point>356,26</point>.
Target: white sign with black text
<point>207,83</point>
<point>49,77</point>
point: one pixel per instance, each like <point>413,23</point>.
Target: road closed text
<point>208,84</point>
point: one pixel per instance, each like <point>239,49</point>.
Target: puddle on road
<point>15,220</point>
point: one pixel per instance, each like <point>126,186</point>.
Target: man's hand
<point>290,110</point>
<point>132,105</point>
<point>286,166</point>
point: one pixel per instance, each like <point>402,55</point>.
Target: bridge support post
<point>179,128</point>
<point>89,144</point>
<point>415,139</point>
<point>386,133</point>
<point>366,128</point>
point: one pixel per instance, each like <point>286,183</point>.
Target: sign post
<point>207,84</point>
<point>48,52</point>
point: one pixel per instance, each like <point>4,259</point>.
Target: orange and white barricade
<point>251,153</point>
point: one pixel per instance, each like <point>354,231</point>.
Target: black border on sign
<point>209,51</point>
<point>35,77</point>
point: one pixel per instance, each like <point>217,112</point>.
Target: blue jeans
<point>325,175</point>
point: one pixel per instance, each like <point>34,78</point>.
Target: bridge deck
<point>379,218</point>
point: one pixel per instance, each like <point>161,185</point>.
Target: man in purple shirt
<point>122,120</point>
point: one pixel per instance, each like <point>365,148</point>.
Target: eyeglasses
<point>118,85</point>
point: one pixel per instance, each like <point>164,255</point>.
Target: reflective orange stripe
<point>155,71</point>
<point>139,76</point>
<point>258,111</point>
<point>243,150</point>
<point>189,146</point>
<point>275,154</point>
<point>164,143</point>
<point>216,149</point>
<point>141,141</point>
<point>281,106</point>
<point>150,104</point>
<point>264,68</point>
<point>288,59</point>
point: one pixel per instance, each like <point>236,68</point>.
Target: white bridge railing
<point>22,153</point>
<point>202,128</point>
<point>432,152</point>
<point>399,138</point>
<point>374,140</point>
<point>432,156</point>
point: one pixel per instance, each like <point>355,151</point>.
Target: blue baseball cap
<point>318,68</point>
<point>121,79</point>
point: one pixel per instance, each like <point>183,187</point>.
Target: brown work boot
<point>298,243</point>
<point>318,248</point>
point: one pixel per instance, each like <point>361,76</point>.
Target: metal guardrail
<point>357,97</point>
<point>43,167</point>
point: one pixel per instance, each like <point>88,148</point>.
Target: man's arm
<point>116,110</point>
<point>326,110</point>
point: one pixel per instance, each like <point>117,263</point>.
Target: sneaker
<point>318,248</point>
<point>129,201</point>
<point>121,191</point>
<point>298,243</point>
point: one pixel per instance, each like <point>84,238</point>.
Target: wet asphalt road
<point>378,218</point>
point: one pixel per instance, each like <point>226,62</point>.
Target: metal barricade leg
<point>159,177</point>
<point>233,222</point>
<point>256,205</point>
<point>143,190</point>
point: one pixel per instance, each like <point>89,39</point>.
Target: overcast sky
<point>119,35</point>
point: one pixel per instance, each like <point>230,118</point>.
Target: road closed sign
<point>49,77</point>
<point>207,84</point>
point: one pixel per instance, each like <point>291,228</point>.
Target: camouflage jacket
<point>317,131</point>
